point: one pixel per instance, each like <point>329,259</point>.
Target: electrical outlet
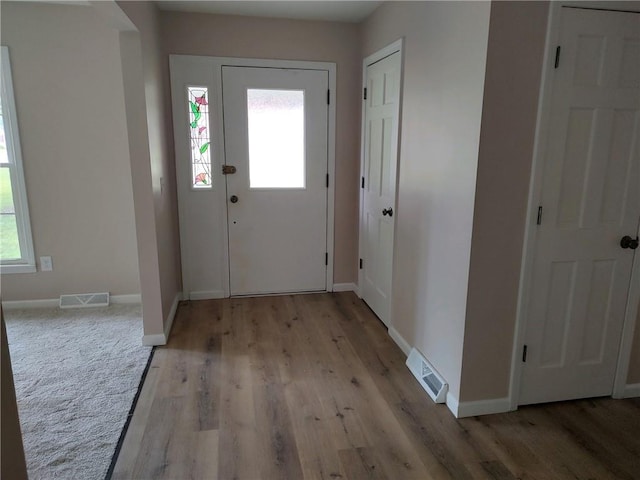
<point>46,265</point>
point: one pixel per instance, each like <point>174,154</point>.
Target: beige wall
<point>164,258</point>
<point>514,66</point>
<point>444,69</point>
<point>246,37</point>
<point>68,88</point>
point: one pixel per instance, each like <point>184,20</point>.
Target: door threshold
<point>278,294</point>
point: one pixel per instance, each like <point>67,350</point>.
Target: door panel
<point>275,123</point>
<point>379,171</point>
<point>590,199</point>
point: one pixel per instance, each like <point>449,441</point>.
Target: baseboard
<point>478,407</point>
<point>54,302</point>
<point>452,404</point>
<point>172,315</point>
<point>206,295</point>
<point>400,341</point>
<point>631,390</point>
<point>125,299</point>
<point>25,304</point>
<point>158,339</point>
<point>345,287</point>
<point>154,340</point>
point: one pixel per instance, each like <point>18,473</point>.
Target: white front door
<point>590,200</point>
<point>380,146</point>
<point>275,130</point>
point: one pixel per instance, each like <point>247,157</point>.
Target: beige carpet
<point>76,373</point>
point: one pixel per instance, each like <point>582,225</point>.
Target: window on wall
<point>16,244</point>
<point>200,137</point>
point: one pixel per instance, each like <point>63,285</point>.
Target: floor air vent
<point>84,300</point>
<point>430,380</point>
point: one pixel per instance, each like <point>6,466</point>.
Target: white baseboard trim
<point>631,390</point>
<point>24,304</point>
<point>345,287</point>
<point>154,340</point>
<point>55,302</point>
<point>400,341</point>
<point>478,407</point>
<point>168,323</point>
<point>484,407</point>
<point>206,295</point>
<point>158,339</point>
<point>126,299</point>
<point>452,404</point>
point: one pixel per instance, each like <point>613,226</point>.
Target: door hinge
<point>326,258</point>
<point>327,180</point>
<point>328,97</point>
<point>361,264</point>
<point>524,353</point>
<point>362,183</point>
<point>557,62</point>
<point>365,93</point>
<point>539,219</point>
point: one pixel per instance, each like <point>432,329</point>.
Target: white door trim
<point>390,49</point>
<point>216,63</point>
<point>535,192</point>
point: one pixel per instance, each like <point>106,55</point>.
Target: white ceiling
<point>330,10</point>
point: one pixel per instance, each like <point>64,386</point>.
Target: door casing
<point>390,49</point>
<point>180,66</point>
<point>535,193</point>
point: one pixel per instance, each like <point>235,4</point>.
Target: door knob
<point>628,242</point>
<point>233,199</point>
<point>388,211</point>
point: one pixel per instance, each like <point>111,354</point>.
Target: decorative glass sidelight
<point>200,137</point>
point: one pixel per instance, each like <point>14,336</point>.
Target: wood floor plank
<point>133,439</point>
<point>277,452</point>
<point>153,461</point>
<point>312,387</point>
<point>567,458</point>
<point>237,437</point>
<point>319,458</point>
<point>361,463</point>
<point>207,446</point>
<point>620,460</point>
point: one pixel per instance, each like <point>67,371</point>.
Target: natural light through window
<point>276,138</point>
<point>16,245</point>
<point>200,137</point>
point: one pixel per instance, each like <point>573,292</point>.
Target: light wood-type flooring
<point>312,387</point>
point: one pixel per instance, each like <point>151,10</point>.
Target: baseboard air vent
<point>83,300</point>
<point>431,381</point>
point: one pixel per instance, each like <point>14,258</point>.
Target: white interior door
<point>590,200</point>
<point>275,129</point>
<point>380,125</point>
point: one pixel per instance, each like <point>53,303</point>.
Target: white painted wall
<point>444,69</point>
